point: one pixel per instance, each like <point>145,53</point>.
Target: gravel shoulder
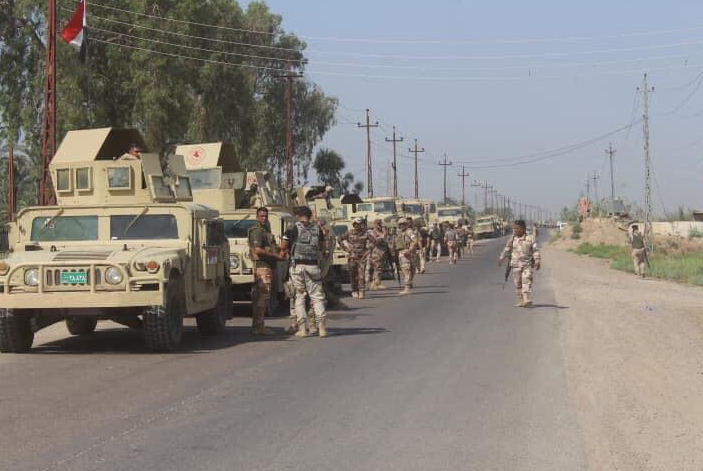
<point>633,351</point>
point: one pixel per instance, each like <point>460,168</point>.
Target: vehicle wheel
<point>81,325</point>
<point>16,334</point>
<point>163,325</point>
<point>213,322</point>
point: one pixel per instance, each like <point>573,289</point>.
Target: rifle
<point>646,258</point>
<point>393,260</point>
<point>509,267</point>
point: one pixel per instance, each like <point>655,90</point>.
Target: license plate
<point>74,278</point>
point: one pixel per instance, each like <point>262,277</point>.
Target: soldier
<point>470,238</point>
<point>406,245</point>
<point>424,240</point>
<point>639,251</point>
<point>379,249</point>
<point>524,256</point>
<point>134,152</point>
<point>436,241</point>
<point>356,244</point>
<point>461,236</point>
<point>305,241</point>
<point>451,240</point>
<point>265,255</point>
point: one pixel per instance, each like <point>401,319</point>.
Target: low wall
<point>677,228</point>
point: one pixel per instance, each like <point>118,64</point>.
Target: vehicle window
<point>384,207</point>
<point>364,207</point>
<point>64,228</point>
<point>239,229</point>
<point>205,179</point>
<point>449,212</point>
<point>340,230</point>
<point>413,208</point>
<point>144,227</point>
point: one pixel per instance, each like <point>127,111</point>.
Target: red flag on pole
<point>75,32</point>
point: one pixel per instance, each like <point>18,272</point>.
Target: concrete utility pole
<point>610,151</point>
<point>463,176</point>
<point>646,90</point>
<point>588,188</point>
<point>369,162</point>
<point>417,178</point>
<point>595,185</point>
<point>289,76</point>
<point>46,190</point>
<point>395,166</point>
<point>444,165</point>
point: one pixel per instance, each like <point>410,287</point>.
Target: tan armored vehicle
<point>125,243</point>
<point>217,181</point>
<point>486,227</point>
<point>451,214</point>
<point>414,209</point>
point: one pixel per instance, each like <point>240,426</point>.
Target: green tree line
<point>211,78</point>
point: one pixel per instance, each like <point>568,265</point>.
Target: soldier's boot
<point>362,294</point>
<point>292,325</point>
<point>322,323</point>
<point>379,285</point>
<point>405,291</point>
<point>313,324</point>
<point>526,301</point>
<point>355,294</point>
<point>520,301</point>
<point>302,328</point>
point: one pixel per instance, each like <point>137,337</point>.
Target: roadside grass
<point>555,237</point>
<point>682,268</point>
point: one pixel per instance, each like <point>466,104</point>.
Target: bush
<point>694,232</point>
<point>576,230</point>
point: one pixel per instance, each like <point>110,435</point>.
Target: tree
<point>351,186</point>
<point>328,165</point>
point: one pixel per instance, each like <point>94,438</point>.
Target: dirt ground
<point>633,351</point>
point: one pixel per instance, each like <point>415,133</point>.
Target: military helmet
<point>357,221</point>
<point>378,222</point>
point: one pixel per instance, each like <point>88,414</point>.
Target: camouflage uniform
<point>452,241</point>
<point>377,259</point>
<point>524,254</point>
<point>406,245</point>
<point>639,253</point>
<point>470,239</point>
<point>424,240</point>
<point>356,243</point>
<point>260,236</point>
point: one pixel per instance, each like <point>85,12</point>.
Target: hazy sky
<point>466,78</point>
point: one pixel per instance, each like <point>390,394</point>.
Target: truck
<point>486,227</point>
<point>125,242</point>
<point>414,209</point>
<point>451,214</point>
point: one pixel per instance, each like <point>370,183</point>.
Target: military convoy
<point>125,243</point>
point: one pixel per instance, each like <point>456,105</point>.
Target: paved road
<point>450,378</point>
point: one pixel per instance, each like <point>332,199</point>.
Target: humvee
<point>486,227</point>
<point>452,214</point>
<point>383,207</point>
<point>124,243</point>
<point>414,209</point>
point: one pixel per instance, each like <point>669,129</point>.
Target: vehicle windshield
<point>239,228</point>
<point>64,228</point>
<point>205,179</point>
<point>449,212</point>
<point>414,208</point>
<point>481,220</point>
<point>143,227</point>
<point>340,230</point>
<point>383,207</point>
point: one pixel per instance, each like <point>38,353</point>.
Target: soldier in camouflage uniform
<point>470,238</point>
<point>451,240</point>
<point>524,257</point>
<point>406,244</point>
<point>356,244</point>
<point>379,249</point>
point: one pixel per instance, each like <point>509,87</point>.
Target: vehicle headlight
<point>113,276</point>
<point>234,261</point>
<point>4,268</point>
<point>31,277</point>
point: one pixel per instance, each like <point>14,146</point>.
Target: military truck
<point>452,214</point>
<point>377,208</point>
<point>124,243</point>
<point>486,227</point>
<point>413,208</point>
<point>217,180</point>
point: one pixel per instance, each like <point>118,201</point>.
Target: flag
<point>75,32</point>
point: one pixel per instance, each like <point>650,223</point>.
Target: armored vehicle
<point>486,227</point>
<point>452,214</point>
<point>125,243</point>
<point>383,207</point>
<point>413,208</point>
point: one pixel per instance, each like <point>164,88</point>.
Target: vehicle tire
<point>16,334</point>
<point>81,325</point>
<point>163,325</point>
<point>214,321</point>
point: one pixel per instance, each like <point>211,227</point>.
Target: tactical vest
<point>307,245</point>
<point>403,241</point>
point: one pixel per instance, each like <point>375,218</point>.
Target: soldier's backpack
<point>307,245</point>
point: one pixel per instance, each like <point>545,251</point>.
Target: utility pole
<point>646,90</point>
<point>46,190</point>
<point>11,199</point>
<point>444,165</point>
<point>463,176</point>
<point>369,163</point>
<point>289,76</point>
<point>610,151</point>
<point>588,188</point>
<point>595,185</point>
<point>417,181</point>
<point>395,167</point>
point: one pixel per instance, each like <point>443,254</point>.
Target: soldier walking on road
<point>264,254</point>
<point>424,240</point>
<point>524,257</point>
<point>305,241</point>
<point>470,238</point>
<point>639,252</point>
<point>406,245</point>
<point>356,244</point>
<point>451,241</point>
<point>436,240</point>
<point>379,249</point>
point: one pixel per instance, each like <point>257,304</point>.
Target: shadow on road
<point>553,306</point>
<point>356,331</point>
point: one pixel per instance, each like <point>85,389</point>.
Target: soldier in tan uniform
<point>524,257</point>
<point>406,245</point>
<point>356,244</point>
<point>639,251</point>
<point>379,248</point>
<point>451,240</point>
<point>133,153</point>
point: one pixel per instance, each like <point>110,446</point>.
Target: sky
<point>503,82</point>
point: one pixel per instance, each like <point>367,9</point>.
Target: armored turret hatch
<point>90,168</point>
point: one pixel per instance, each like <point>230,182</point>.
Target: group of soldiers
<point>408,248</point>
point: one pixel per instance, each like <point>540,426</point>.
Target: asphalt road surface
<point>452,377</point>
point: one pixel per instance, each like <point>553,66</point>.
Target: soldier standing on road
<point>639,251</point>
<point>406,245</point>
<point>424,240</point>
<point>305,241</point>
<point>451,241</point>
<point>470,238</point>
<point>524,257</point>
<point>379,249</point>
<point>356,244</point>
<point>461,236</point>
<point>263,253</point>
<point>436,240</point>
